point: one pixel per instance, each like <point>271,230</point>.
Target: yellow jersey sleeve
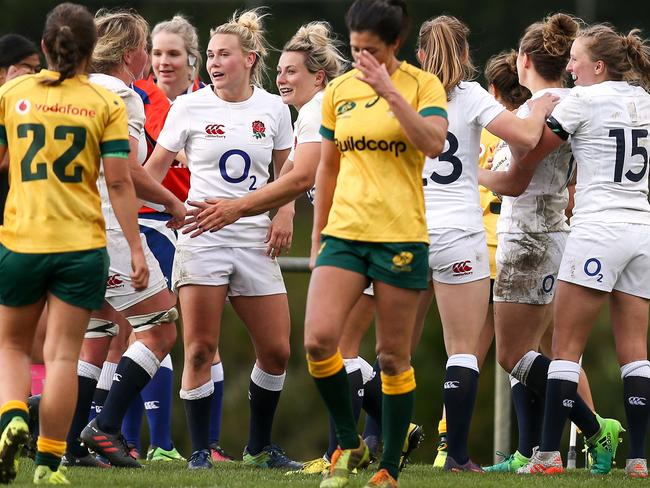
<point>328,123</point>
<point>433,99</point>
<point>115,138</point>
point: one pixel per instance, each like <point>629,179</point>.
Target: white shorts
<point>527,266</point>
<point>609,256</point>
<point>456,256</point>
<point>247,271</point>
<point>120,293</point>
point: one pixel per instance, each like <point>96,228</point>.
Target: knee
<point>275,361</point>
<point>167,336</point>
<point>393,364</point>
<point>198,356</point>
<point>319,346</point>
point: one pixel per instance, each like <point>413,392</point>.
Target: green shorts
<point>77,278</point>
<point>400,264</point>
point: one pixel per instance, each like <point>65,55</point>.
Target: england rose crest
<point>259,130</point>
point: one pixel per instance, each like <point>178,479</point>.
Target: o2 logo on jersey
<point>243,156</point>
<point>548,283</point>
<point>23,106</point>
<point>592,268</point>
<point>259,130</point>
<point>215,130</point>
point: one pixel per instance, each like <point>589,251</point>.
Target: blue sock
<point>157,398</point>
<point>217,403</point>
<point>132,423</point>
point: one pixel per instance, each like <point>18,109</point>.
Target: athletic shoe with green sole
<point>270,457</point>
<point>159,454</point>
<point>441,453</point>
<point>510,464</point>
<point>344,461</point>
<point>602,446</point>
<point>12,440</point>
<point>45,476</point>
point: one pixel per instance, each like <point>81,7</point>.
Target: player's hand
<point>140,270</point>
<point>545,103</point>
<point>178,212</point>
<point>374,74</point>
<point>211,215</point>
<point>280,234</point>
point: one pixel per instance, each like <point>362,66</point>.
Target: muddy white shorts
<point>527,267</point>
<point>608,256</point>
<point>247,271</point>
<point>457,256</point>
<point>119,287</point>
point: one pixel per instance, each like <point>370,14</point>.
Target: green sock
<point>10,414</point>
<point>396,417</point>
<point>336,394</point>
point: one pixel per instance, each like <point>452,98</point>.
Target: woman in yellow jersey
<point>56,126</point>
<point>369,224</point>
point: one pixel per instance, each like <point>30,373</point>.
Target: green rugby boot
<point>510,464</point>
<point>45,476</point>
<point>344,461</point>
<point>12,440</point>
<point>602,445</point>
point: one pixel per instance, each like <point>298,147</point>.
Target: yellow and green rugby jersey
<point>56,136</point>
<point>378,196</point>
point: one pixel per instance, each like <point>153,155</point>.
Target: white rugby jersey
<point>229,148</point>
<point>540,208</point>
<point>450,181</point>
<point>608,123</point>
<point>136,118</point>
<point>307,127</point>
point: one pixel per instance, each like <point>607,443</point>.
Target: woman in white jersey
<point>606,254</point>
<point>458,256</point>
<point>230,131</point>
<point>120,56</point>
<point>532,231</point>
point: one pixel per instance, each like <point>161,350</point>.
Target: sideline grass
<point>233,475</point>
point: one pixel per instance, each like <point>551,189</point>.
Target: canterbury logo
<point>567,403</point>
<point>637,401</point>
<point>215,129</point>
<point>152,405</point>
<point>450,385</point>
<point>114,281</point>
<point>461,267</point>
<point>360,393</point>
<point>117,377</point>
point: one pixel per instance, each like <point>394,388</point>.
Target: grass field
<point>172,474</point>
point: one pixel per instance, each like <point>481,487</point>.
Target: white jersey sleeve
<point>609,126</point>
<point>282,138</point>
<point>174,134</point>
<point>450,181</point>
<point>307,129</point>
<point>135,121</point>
<point>540,208</point>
